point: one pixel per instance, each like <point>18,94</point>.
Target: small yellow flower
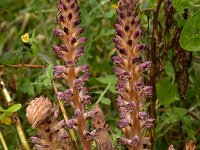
<point>115,6</point>
<point>25,38</point>
<point>6,121</point>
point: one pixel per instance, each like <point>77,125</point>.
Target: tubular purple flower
<point>145,66</point>
<point>147,91</point>
<point>130,87</point>
<point>70,123</point>
<point>59,70</point>
<point>77,113</point>
<point>117,59</point>
<point>58,32</point>
<point>123,123</point>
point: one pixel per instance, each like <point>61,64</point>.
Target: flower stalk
<point>130,68</point>
<point>3,141</point>
<point>70,50</point>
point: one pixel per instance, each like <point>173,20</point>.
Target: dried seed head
<point>39,110</point>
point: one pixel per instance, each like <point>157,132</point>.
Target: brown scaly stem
<point>18,125</point>
<point>153,68</point>
<point>130,87</point>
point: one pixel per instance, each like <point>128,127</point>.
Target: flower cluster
<point>130,87</point>
<point>70,50</point>
<point>43,115</point>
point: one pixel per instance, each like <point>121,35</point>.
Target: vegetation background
<point>178,114</point>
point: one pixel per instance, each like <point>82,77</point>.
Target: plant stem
<point>104,92</point>
<point>3,142</point>
<point>65,116</point>
<point>153,69</point>
<point>16,118</point>
<point>23,65</point>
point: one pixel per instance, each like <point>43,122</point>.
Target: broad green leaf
<point>167,92</point>
<point>190,35</point>
<point>169,70</point>
<point>105,101</point>
<point>107,79</point>
<point>14,108</point>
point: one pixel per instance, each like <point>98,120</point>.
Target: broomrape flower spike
<point>130,87</point>
<point>69,51</point>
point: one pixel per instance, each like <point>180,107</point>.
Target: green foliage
<point>190,36</point>
<point>167,91</point>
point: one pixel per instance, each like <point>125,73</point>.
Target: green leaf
<point>27,87</point>
<point>167,91</point>
<point>105,101</point>
<point>14,108</point>
<point>190,35</point>
<point>2,110</point>
<point>169,70</point>
<point>179,5</point>
<point>107,79</point>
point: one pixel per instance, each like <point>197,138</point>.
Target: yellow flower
<point>6,121</point>
<point>115,6</point>
<point>25,38</point>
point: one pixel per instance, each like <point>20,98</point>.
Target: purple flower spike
<point>149,122</point>
<point>145,66</point>
<point>62,135</point>
<point>120,102</point>
<point>58,71</point>
<point>57,49</point>
<point>58,32</point>
<point>124,141</point>
<point>66,95</point>
<point>130,106</point>
<point>135,142</point>
<point>58,126</point>
<point>143,115</point>
<point>122,112</point>
<point>82,40</point>
<point>118,71</point>
<point>147,91</point>
<point>77,113</point>
<point>79,52</point>
<point>85,76</point>
<point>86,99</point>
<point>70,123</point>
<point>92,113</point>
<point>123,123</point>
<point>83,68</point>
<point>35,139</point>
<point>117,59</point>
<point>141,47</point>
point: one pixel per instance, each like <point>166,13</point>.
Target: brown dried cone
<point>43,116</point>
<point>102,139</point>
